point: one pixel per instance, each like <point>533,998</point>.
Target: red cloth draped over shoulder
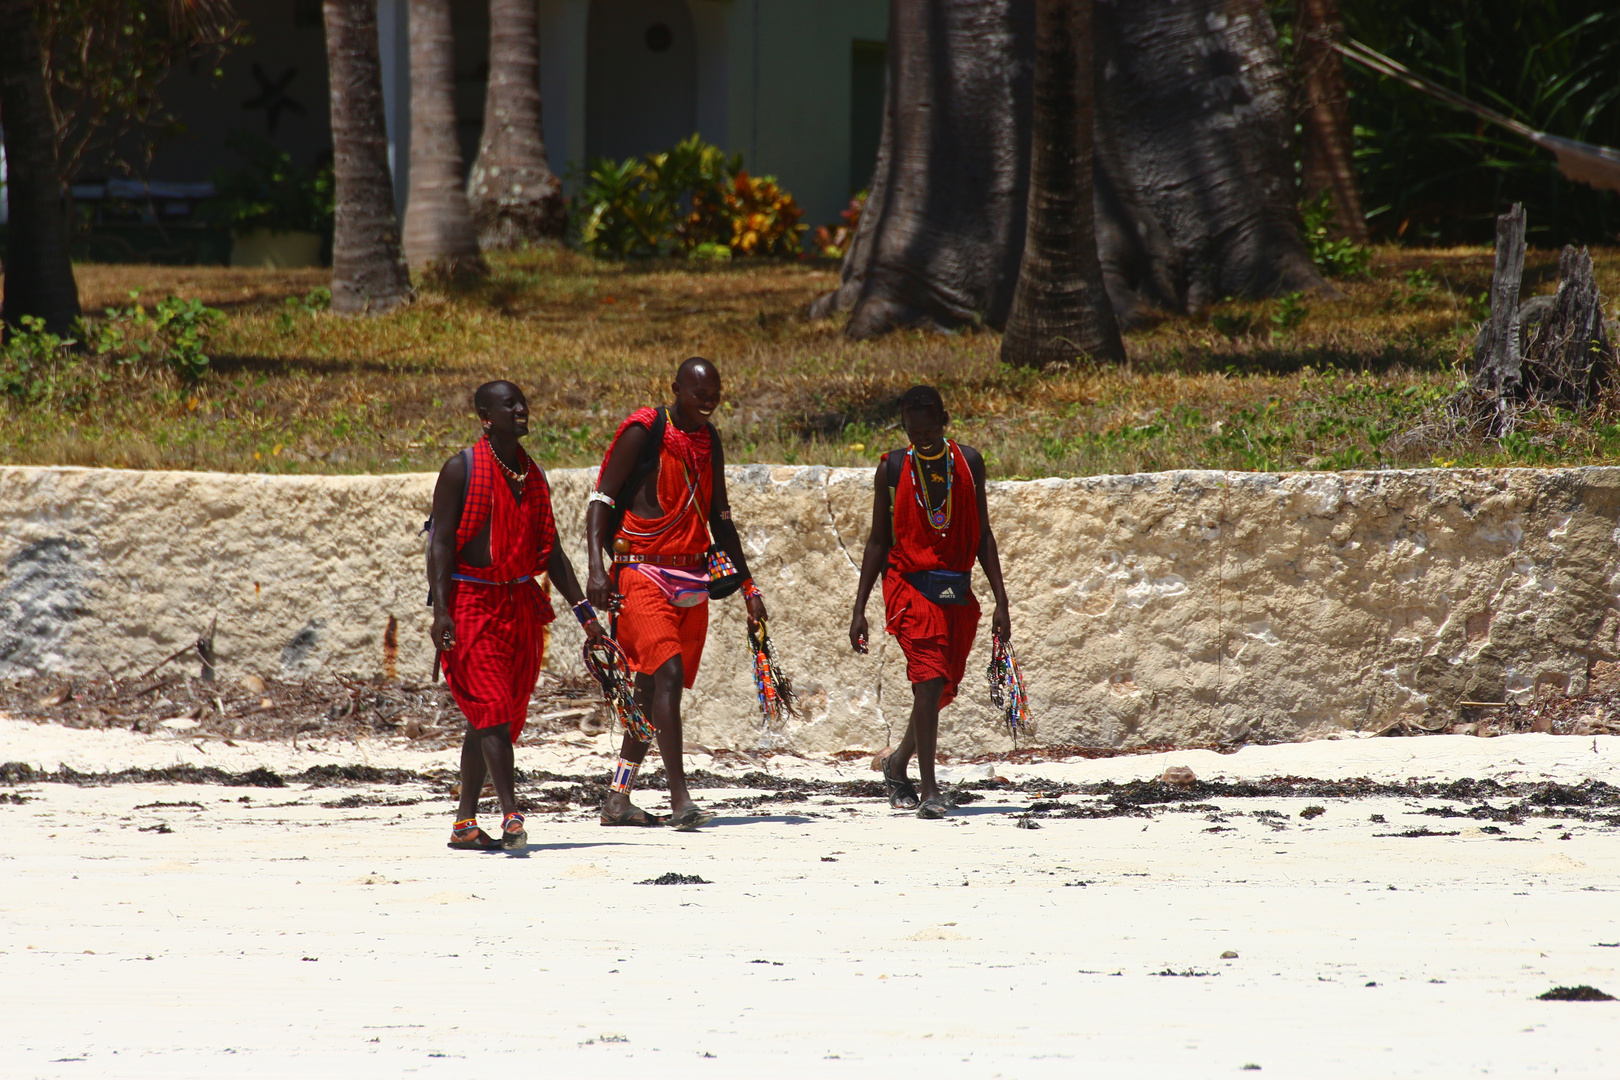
<point>685,489</point>
<point>500,628</point>
<point>936,639</point>
<point>651,629</point>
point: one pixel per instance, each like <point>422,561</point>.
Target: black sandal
<point>934,808</point>
<point>635,816</point>
<point>693,817</point>
<point>902,792</point>
<point>472,840</point>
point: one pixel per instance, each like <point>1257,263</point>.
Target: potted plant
<point>279,214</point>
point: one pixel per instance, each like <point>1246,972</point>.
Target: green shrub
<point>688,200</point>
<point>1334,256</point>
<point>270,192</point>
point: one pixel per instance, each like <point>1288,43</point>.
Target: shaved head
<point>484,396</point>
<point>695,367</point>
<point>922,397</point>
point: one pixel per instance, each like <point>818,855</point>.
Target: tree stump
<point>1569,356</point>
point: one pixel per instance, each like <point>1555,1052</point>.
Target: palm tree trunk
<point>38,270</point>
<point>368,266</point>
<point>1327,143</point>
<point>514,194</point>
<point>439,237</point>
<point>1060,309</point>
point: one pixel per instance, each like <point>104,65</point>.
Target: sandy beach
<point>1066,922</point>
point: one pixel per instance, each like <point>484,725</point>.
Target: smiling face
<point>506,409</point>
<point>697,394</point>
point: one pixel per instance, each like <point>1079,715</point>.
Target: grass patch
<point>1294,383</point>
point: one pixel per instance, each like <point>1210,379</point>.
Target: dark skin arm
<point>725,534</point>
<point>643,502</point>
<point>880,541</point>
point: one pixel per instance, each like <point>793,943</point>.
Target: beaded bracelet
<point>587,614</point>
<point>750,590</point>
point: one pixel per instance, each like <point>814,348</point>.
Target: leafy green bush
<point>688,200</point>
<point>270,192</point>
<point>173,335</point>
<point>39,366</point>
<point>1334,256</point>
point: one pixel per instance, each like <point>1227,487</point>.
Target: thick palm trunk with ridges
<point>1326,146</point>
<point>1194,143</point>
<point>514,194</point>
<point>368,265</point>
<point>38,271</point>
<point>1060,309</point>
<point>1193,172</point>
<point>940,236</point>
<point>438,220</point>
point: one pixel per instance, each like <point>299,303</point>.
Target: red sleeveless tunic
<point>501,610</point>
<point>650,628</point>
<point>936,639</point>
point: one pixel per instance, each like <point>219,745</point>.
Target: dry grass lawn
<point>1308,383</point>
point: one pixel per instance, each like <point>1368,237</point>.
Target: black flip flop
<point>935,808</point>
<point>693,817</point>
<point>482,842</point>
<point>635,817</point>
<point>902,793</point>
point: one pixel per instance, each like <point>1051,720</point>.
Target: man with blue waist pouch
<point>930,522</point>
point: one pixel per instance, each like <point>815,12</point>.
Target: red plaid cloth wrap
<point>935,639</point>
<point>501,628</point>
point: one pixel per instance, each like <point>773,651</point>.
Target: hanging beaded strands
<point>606,662</point>
<point>776,697</point>
<point>1007,691</point>
<point>939,519</point>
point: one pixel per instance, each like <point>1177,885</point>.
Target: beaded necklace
<point>940,519</point>
<point>517,478</point>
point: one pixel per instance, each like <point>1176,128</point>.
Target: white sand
<point>963,948</point>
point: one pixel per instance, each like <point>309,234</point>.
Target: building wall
<point>275,87</point>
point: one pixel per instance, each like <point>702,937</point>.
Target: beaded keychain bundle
<point>1007,691</point>
<point>606,662</point>
<point>776,699</point>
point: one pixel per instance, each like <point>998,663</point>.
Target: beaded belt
<point>700,558</point>
<point>486,581</point>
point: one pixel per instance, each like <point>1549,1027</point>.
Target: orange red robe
<point>936,639</point>
<point>501,610</point>
<point>650,628</point>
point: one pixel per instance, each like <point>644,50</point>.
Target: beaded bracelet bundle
<point>1007,691</point>
<point>776,699</point>
<point>606,662</point>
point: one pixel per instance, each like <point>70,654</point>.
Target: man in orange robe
<point>661,570</point>
<point>930,522</point>
<point>493,538</point>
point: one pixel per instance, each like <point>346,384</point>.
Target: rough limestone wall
<point>1189,607</point>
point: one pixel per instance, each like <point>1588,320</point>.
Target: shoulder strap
<point>893,461</point>
<point>644,468</point>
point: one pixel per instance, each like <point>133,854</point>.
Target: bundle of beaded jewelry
<point>939,519</point>
<point>606,662</point>
<point>1007,691</point>
<point>776,698</point>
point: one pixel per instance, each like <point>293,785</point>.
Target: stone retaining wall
<point>1187,607</point>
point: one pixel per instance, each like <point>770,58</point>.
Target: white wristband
<point>604,497</point>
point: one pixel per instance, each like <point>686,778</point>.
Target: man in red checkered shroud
<point>493,544</point>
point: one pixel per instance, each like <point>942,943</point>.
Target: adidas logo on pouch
<point>948,594</point>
